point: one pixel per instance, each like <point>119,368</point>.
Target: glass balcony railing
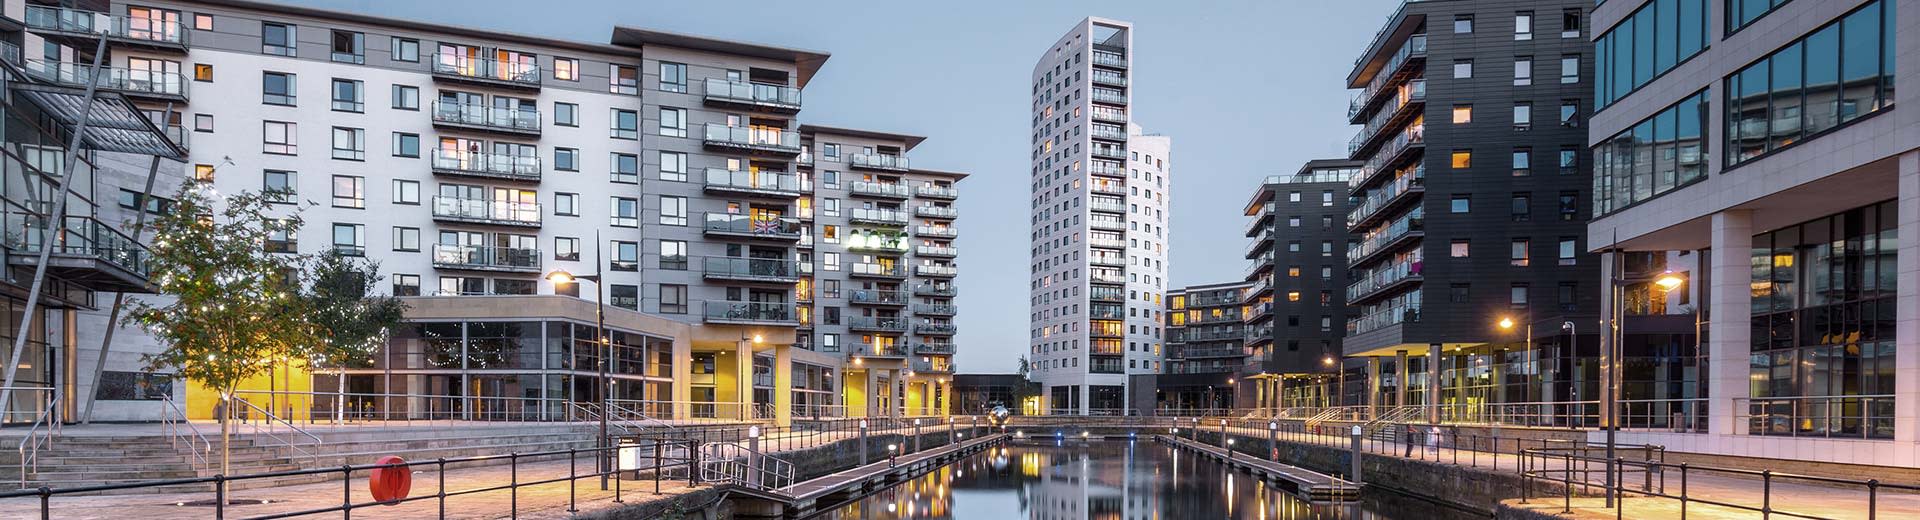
<point>937,192</point>
<point>877,323</point>
<point>523,119</point>
<point>483,164</point>
<point>1107,206</point>
<point>1109,168</point>
<point>778,96</point>
<point>941,291</point>
<point>1109,96</point>
<point>1415,47</point>
<point>1255,335</point>
<point>1106,366</point>
<point>1106,242</point>
<point>1376,240</point>
<point>1389,153</point>
<point>1412,92</point>
<point>1109,151</point>
<point>755,137</point>
<point>1109,114</point>
<point>1109,59</point>
<point>933,348</point>
<point>936,231</point>
<point>762,181</point>
<point>936,270</point>
<point>779,313</point>
<point>944,212</point>
<point>487,211</point>
<point>880,270</point>
<point>878,161</point>
<point>752,269</point>
<point>75,21</point>
<point>1105,132</point>
<point>458,256</point>
<point>878,350</point>
<point>935,328</point>
<point>878,216</point>
<point>1384,276</point>
<point>1109,188</point>
<point>933,366</point>
<point>935,309</point>
<point>1405,182</point>
<point>946,251</point>
<point>124,80</point>
<point>757,226</point>
<point>878,297</point>
<point>82,236</point>
<point>472,67</point>
<point>1383,316</point>
<point>884,243</point>
<point>880,189</point>
<point>1108,77</point>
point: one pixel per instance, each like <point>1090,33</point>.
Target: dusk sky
<point>1245,89</point>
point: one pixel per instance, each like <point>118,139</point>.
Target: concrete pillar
<point>1433,382</point>
<point>1373,386</point>
<point>1279,393</point>
<point>873,392</point>
<point>1610,271</point>
<point>1400,375</point>
<point>682,378</point>
<point>783,385</point>
<point>1906,363</point>
<point>743,376</point>
<point>946,399</point>
<point>1729,303</point>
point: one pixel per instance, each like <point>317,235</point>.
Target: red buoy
<point>390,484</point>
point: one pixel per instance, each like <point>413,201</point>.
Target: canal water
<point>1036,480</point>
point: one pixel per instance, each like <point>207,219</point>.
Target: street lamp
<point>561,277</point>
<point>1667,282</point>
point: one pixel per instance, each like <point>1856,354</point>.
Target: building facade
<point>1297,285</point>
<point>1099,224</point>
<point>1496,231</point>
<point>1755,151</point>
<point>471,163</point>
<point>1206,353</point>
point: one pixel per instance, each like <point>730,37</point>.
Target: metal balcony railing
<point>1402,184</point>
<point>936,270</point>
<point>752,269</point>
<point>489,258</point>
<point>484,164</point>
<point>1414,48</point>
<point>120,79</point>
<point>876,350</point>
<point>1384,276</point>
<point>935,328</point>
<point>75,21</point>
<point>764,227</point>
<point>488,69</point>
<point>1381,317</point>
<point>883,270</point>
<point>943,291</point>
<point>753,137</point>
<point>878,216</point>
<point>936,231</point>
<point>1109,59</point>
<point>947,251</point>
<point>779,313</point>
<point>877,323</point>
<point>937,349</point>
<point>936,211</point>
<point>935,309</point>
<point>877,297</point>
<point>1374,241</point>
<point>937,192</point>
<point>487,211</point>
<point>523,119</point>
<point>763,181</point>
<point>83,236</point>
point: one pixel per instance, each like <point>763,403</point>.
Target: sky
<point>1245,88</point>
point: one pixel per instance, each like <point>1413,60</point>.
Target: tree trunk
<point>226,443</point>
<point>340,395</point>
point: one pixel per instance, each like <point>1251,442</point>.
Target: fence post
<point>1683,491</point>
<point>219,497</point>
<point>1766,494</point>
<point>513,484</point>
<point>863,442</point>
<point>657,468</point>
<point>1873,498</point>
<point>572,476</point>
<point>1620,487</point>
<point>346,491</point>
<point>442,491</point>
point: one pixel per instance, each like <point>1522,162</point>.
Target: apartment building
<point>1470,209</point>
<point>1099,224</point>
<point>668,169</point>
<point>1206,358</point>
<point>1754,151</point>
<point>1297,286</point>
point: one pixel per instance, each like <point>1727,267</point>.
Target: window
<point>1569,159</point>
<point>566,114</point>
<point>349,47</point>
<point>673,210</point>
<point>673,298</point>
<point>277,88</point>
<point>1570,23</point>
<point>280,138</point>
<point>673,166</point>
<point>1519,256</point>
<point>1293,296</point>
<point>623,80</point>
<point>626,212</point>
<point>406,49</point>
<point>566,248</point>
<point>566,69</point>
<point>1522,116</point>
<point>276,39</point>
<point>349,191</point>
<point>406,192</point>
<point>406,97</point>
<point>203,22</point>
<point>406,145</point>
<point>1463,24</point>
<point>830,151</point>
<point>349,240</point>
<point>1462,69</point>
<point>673,122</point>
<point>1655,156</point>
<point>1459,293</point>
<point>347,96</point>
<point>152,204</point>
<point>1522,161</point>
<point>1645,44</point>
<point>830,262</point>
<point>673,254</point>
<point>1569,205</point>
<point>1741,13</point>
<point>1462,114</point>
<point>1523,26</point>
<point>625,168</point>
<point>673,77</point>
<point>626,125</point>
<point>1518,295</point>
<point>1462,159</point>
<point>1522,70</point>
<point>1569,69</point>
<point>1843,70</point>
<point>1460,204</point>
<point>626,256</point>
<point>349,143</point>
<point>202,72</point>
<point>406,285</point>
<point>566,159</point>
<point>1569,113</point>
<point>567,204</point>
<point>203,172</point>
<point>406,239</point>
<point>624,296</point>
<point>1568,250</point>
<point>203,122</point>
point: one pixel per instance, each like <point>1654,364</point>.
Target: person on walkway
<point>1406,439</point>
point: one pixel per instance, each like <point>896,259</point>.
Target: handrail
<point>29,448</point>
<point>270,419</point>
<point>594,416</point>
<point>175,421</point>
<point>614,405</point>
<point>739,465</point>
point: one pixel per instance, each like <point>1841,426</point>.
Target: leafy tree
<point>351,319</point>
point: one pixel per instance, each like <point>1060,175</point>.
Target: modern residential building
<point>1471,209</point>
<point>1755,151</point>
<point>1297,286</point>
<point>1099,224</point>
<point>1205,352</point>
<point>470,162</point>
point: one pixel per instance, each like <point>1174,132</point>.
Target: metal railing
<point>39,435</point>
<point>82,236</point>
<point>1571,469</point>
<point>290,441</point>
<point>524,118</point>
<point>754,312</point>
<point>45,18</point>
<point>138,81</point>
<point>459,256</point>
<point>877,323</point>
<point>492,211</point>
<point>1415,47</point>
<point>936,270</point>
<point>938,192</point>
<point>879,160</point>
<point>878,297</point>
<point>755,93</point>
<point>460,65</point>
<point>874,269</point>
<point>883,189</point>
<point>760,226</point>
<point>768,269</point>
<point>761,181</point>
<point>731,463</point>
<point>754,137</point>
<point>499,165</point>
<point>879,215</point>
<point>936,231</point>
<point>180,430</point>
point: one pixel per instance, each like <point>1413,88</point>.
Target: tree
<point>351,319</point>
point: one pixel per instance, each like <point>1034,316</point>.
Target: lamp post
<point>1667,282</point>
<point>561,277</point>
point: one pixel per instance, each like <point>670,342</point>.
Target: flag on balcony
<point>765,226</point>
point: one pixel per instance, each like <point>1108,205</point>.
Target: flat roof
<point>909,140</point>
<point>923,171</point>
<point>805,61</point>
<point>411,25</point>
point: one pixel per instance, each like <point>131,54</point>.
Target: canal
<point>1110,480</point>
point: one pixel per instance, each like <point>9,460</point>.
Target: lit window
<point>1462,159</point>
<point>1462,114</point>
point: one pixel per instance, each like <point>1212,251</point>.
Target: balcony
<point>1257,312</point>
<point>1257,336</point>
<point>933,349</point>
<point>1222,334</point>
<point>935,329</point>
<point>936,271</point>
<point>890,190</point>
<point>1108,260</point>
<point>1262,242</point>
<point>1261,287</point>
<point>873,270</point>
<point>1212,352</point>
<point>939,212</point>
<point>1108,151</point>
<point>1390,156</point>
<point>1382,317</point>
<point>878,216</point>
<point>938,291</point>
<point>1406,106</point>
<point>1109,188</point>
<point>936,192</point>
<point>1107,224</point>
<point>763,183</point>
<point>1108,132</point>
<point>1261,264</point>
<point>784,229</point>
<point>764,139</point>
<point>935,309</point>
<point>764,97</point>
<point>483,211</point>
<point>1110,114</point>
<point>75,28</point>
<point>1110,243</point>
<point>756,270</point>
<point>1108,77</point>
<point>522,121</point>
<point>1106,366</point>
<point>1107,294</point>
<point>495,166</point>
<point>893,324</point>
<point>139,84</point>
<point>1103,95</point>
<point>87,252</point>
<point>933,366</point>
<point>878,297</point>
<point>486,258</point>
<point>936,251</point>
<point>1405,187</point>
<point>1107,206</point>
<point>750,313</point>
<point>461,68</point>
<point>1382,281</point>
<point>877,161</point>
<point>1109,59</point>
<point>1109,169</point>
<point>1107,276</point>
<point>877,243</point>
<point>936,232</point>
<point>1404,230</point>
<point>869,350</point>
<point>1404,62</point>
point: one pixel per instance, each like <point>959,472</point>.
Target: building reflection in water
<point>1104,481</point>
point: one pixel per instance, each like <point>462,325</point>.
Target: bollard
<point>863,442</point>
<point>1358,478</point>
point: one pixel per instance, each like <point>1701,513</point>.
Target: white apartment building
<point>1099,224</point>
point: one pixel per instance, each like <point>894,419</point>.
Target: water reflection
<point>1105,480</point>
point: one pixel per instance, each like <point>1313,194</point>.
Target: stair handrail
<point>270,419</point>
<point>176,422</point>
<point>624,412</point>
<point>29,448</point>
<point>594,416</point>
<point>742,466</point>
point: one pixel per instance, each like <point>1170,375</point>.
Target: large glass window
<point>1655,156</point>
<point>1740,13</point>
<point>1827,79</point>
<point>1649,42</point>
